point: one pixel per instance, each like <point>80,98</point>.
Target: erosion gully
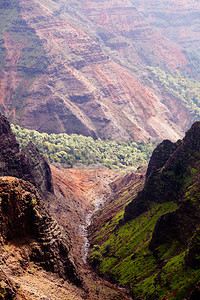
<point>84,229</point>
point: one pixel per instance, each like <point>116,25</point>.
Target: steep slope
<point>42,256</point>
<point>65,69</point>
<point>23,219</point>
<point>28,164</point>
<point>83,189</point>
<point>177,168</point>
<point>27,231</point>
<point>153,248</point>
<point>183,15</point>
<point>123,28</point>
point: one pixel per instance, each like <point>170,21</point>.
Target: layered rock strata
<point>82,72</point>
<point>25,220</point>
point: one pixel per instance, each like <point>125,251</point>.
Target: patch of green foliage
<point>173,279</point>
<point>3,292</point>
<point>95,257</point>
<point>133,237</point>
<point>193,57</point>
<point>70,149</point>
<point>126,257</point>
<point>183,88</point>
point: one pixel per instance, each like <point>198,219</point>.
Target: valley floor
<point>78,194</point>
<point>76,191</point>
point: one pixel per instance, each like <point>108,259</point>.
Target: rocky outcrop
<point>173,178</point>
<point>23,216</point>
<point>12,162</point>
<point>7,287</point>
<point>25,220</point>
<point>40,168</point>
<point>168,177</point>
<point>160,156</point>
<point>27,164</point>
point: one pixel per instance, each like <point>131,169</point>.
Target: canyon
<point>98,234</point>
<point>42,213</point>
<point>81,66</point>
<point>119,70</point>
<point>62,228</point>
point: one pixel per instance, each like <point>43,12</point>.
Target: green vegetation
<point>95,256</point>
<point>156,254</point>
<point>3,293</point>
<point>125,255</point>
<point>184,89</point>
<point>193,57</point>
<point>70,149</point>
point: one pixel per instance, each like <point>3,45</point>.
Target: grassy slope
<point>127,259</point>
<point>124,256</point>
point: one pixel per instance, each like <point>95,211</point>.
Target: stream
<point>86,245</point>
<point>84,227</point>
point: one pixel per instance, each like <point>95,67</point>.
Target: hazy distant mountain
<point>81,66</point>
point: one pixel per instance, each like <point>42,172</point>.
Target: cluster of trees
<point>185,89</point>
<point>71,149</point>
<point>194,60</point>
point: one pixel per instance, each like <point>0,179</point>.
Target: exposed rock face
<point>22,215</point>
<point>13,163</point>
<point>176,20</point>
<point>160,156</point>
<point>76,71</point>
<point>40,168</point>
<point>174,178</point>
<point>167,177</point>
<point>121,25</point>
<point>126,182</point>
<point>7,288</point>
<point>28,164</point>
<point>23,218</point>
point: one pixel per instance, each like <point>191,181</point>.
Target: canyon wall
<point>80,67</point>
